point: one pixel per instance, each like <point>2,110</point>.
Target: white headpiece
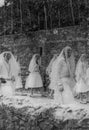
<point>70,61</point>
<point>14,67</point>
<point>79,69</point>
<point>33,63</point>
<point>49,68</point>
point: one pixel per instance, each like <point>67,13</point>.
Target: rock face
<point>22,113</point>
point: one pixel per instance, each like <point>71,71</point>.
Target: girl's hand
<point>61,89</point>
<point>13,79</point>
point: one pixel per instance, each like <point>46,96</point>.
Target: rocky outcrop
<point>24,114</point>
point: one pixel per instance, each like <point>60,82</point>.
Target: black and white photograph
<point>44,64</point>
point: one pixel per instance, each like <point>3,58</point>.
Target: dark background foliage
<point>31,15</point>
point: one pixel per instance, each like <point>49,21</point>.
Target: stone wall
<point>24,46</point>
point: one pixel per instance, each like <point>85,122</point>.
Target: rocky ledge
<point>40,113</point>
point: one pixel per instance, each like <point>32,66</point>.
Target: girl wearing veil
<point>16,72</point>
<point>34,79</point>
<point>9,72</point>
<point>62,77</point>
<point>81,77</point>
<point>18,80</point>
<point>49,70</point>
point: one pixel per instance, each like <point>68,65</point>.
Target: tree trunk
<point>45,17</point>
<point>79,15</point>
<point>59,18</point>
<point>50,15</point>
<point>38,20</point>
<point>12,18</point>
<point>21,21</point>
<point>4,10</point>
<point>50,21</point>
<point>72,13</point>
<point>29,13</point>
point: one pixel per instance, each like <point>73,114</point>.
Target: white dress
<point>60,78</point>
<point>67,83</point>
<point>18,81</point>
<point>81,86</point>
<point>82,80</point>
<point>34,79</point>
<point>87,77</point>
<point>7,88</point>
<point>53,77</point>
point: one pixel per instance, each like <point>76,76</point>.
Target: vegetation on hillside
<point>31,15</point>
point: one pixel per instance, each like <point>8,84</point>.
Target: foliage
<point>32,15</point>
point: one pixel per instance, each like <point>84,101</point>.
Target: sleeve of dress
<point>48,70</point>
<point>79,71</point>
<point>36,68</point>
<point>2,79</point>
<point>60,69</point>
<point>0,71</point>
<point>87,75</point>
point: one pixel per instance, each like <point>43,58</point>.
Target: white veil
<point>49,68</point>
<point>79,69</point>
<point>33,63</point>
<point>70,61</point>
<point>13,64</point>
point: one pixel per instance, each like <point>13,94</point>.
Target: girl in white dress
<point>6,88</point>
<point>62,77</point>
<point>49,70</point>
<point>81,75</point>
<point>34,79</point>
<point>9,72</point>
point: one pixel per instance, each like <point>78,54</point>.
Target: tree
<point>72,12</point>
<point>30,15</point>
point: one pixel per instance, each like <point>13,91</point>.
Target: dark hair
<point>7,55</point>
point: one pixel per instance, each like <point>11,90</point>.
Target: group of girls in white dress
<point>65,77</point>
<point>10,74</point>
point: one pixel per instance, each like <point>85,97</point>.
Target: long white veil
<point>13,64</point>
<point>49,68</point>
<point>9,88</point>
<point>70,61</point>
<point>79,69</point>
<point>33,63</point>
